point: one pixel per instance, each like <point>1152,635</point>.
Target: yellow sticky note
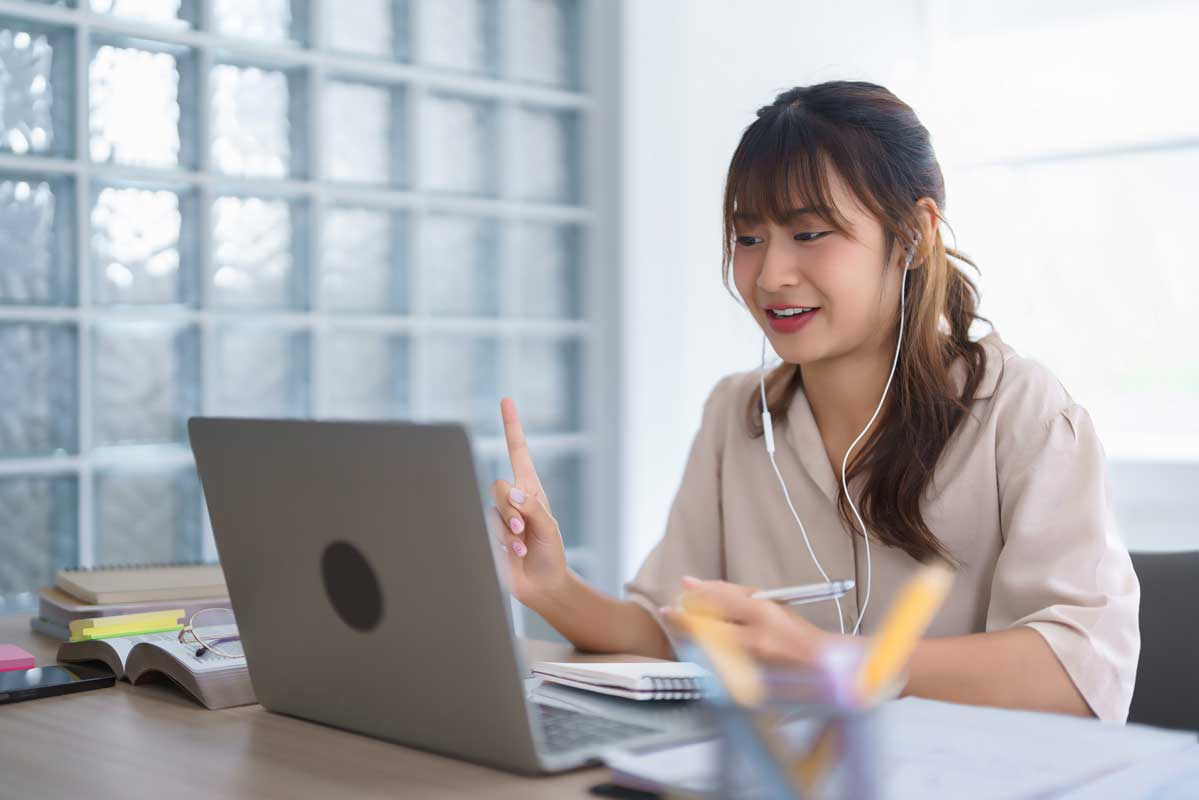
<point>146,619</point>
<point>114,633</point>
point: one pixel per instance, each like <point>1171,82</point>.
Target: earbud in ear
<point>910,250</point>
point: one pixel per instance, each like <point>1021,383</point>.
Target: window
<point>1070,163</point>
<point>382,209</point>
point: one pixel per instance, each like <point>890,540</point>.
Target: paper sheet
<point>932,749</point>
<point>1167,776</point>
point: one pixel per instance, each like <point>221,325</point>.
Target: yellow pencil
<point>731,663</point>
<point>810,767</point>
<point>904,624</point>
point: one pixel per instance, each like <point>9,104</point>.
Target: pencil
<point>902,627</point>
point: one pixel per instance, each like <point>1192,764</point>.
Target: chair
<point>1167,683</point>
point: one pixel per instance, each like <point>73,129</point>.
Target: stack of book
<point>130,618</point>
<point>85,593</point>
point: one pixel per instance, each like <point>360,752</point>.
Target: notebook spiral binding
<point>140,565</point>
<point>675,688</point>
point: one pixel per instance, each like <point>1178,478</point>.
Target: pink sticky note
<point>13,657</point>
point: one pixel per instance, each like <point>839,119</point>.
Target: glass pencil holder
<point>808,737</point>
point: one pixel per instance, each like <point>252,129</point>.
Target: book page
<point>185,653</point>
<point>121,646</point>
<point>101,649</point>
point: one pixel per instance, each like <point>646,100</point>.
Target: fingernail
<point>516,524</point>
<point>689,580</point>
<point>519,548</point>
<point>516,495</point>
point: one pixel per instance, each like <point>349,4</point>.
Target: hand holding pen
<point>763,627</point>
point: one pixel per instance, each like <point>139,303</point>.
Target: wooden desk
<point>153,741</point>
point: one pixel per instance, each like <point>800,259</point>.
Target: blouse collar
<point>804,435</point>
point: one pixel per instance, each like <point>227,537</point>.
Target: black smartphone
<point>27,684</point>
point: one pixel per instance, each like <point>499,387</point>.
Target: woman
<point>947,446</point>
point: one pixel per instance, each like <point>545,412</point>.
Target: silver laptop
<point>365,587</point>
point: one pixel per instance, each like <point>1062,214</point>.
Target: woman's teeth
<point>787,312</point>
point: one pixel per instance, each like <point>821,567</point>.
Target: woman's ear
<point>927,215</point>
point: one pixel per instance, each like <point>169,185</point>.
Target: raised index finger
<point>518,450</point>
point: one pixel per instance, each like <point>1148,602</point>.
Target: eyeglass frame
<point>204,646</point>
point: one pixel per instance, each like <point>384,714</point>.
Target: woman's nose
<point>779,269</point>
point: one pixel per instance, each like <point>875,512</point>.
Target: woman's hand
<point>767,630</point>
<point>527,531</point>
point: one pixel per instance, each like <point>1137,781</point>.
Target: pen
<point>807,593</point>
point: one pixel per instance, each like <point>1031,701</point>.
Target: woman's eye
<point>748,241</point>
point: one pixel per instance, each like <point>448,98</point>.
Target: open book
<point>216,681</point>
<point>635,680</point>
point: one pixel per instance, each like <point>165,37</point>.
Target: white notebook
<point>142,582</point>
<point>644,680</point>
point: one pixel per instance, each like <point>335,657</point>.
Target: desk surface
<point>154,741</point>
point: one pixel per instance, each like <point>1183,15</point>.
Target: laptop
<point>365,585</point>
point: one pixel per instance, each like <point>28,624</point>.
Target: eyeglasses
<point>215,631</point>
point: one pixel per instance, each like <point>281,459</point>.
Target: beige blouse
<point>1019,497</point>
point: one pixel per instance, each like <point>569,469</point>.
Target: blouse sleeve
<point>1063,569</point>
<point>693,541</point>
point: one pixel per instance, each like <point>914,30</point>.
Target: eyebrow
<point>741,216</point>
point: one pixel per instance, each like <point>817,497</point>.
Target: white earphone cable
<point>768,434</point>
<point>768,431</point>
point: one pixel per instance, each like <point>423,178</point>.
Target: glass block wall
<point>378,209</point>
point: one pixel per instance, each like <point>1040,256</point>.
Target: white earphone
<point>768,438</point>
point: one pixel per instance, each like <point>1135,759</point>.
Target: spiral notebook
<point>134,583</point>
<point>637,680</point>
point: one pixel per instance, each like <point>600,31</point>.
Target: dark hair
<point>879,148</point>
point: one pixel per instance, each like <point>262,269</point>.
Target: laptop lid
<point>364,583</point>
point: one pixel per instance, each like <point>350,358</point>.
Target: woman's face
<point>807,264</point>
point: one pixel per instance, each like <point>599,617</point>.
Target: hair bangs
<point>779,170</point>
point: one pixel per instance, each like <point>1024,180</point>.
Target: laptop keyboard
<point>567,730</point>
